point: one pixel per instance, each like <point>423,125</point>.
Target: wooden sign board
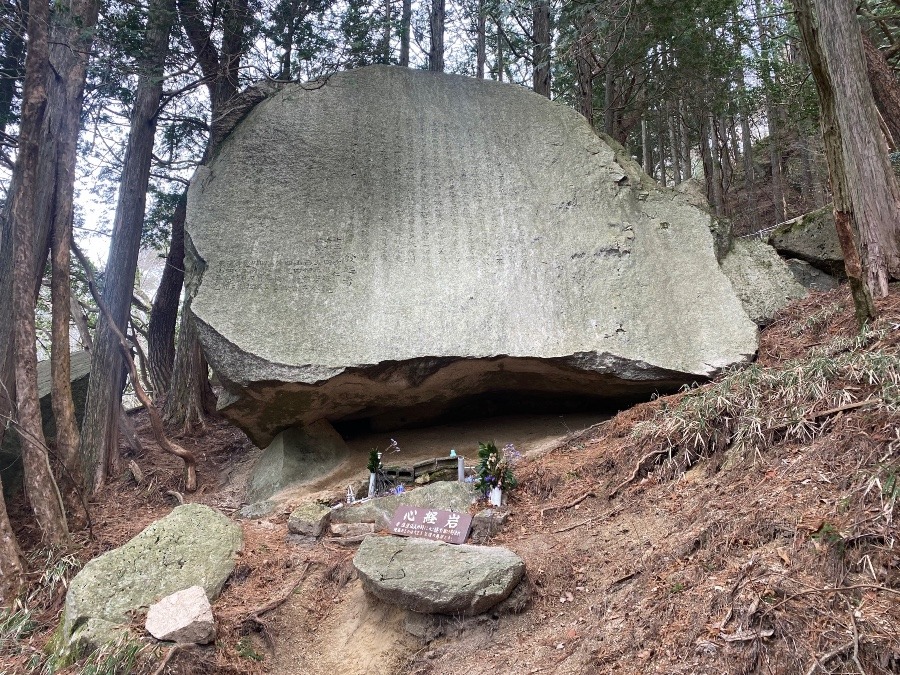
<point>415,521</point>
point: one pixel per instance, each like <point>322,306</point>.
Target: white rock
<point>185,616</point>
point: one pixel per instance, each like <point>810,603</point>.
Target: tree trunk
<point>436,21</point>
<point>405,21</point>
<point>686,161</point>
<point>11,66</point>
<point>39,482</point>
<point>11,570</point>
<point>386,38</point>
<point>772,115</point>
<point>189,409</point>
<point>500,63</point>
<point>480,41</point>
<point>541,50</point>
<point>104,399</point>
<point>609,99</point>
<point>164,313</point>
<point>675,145</point>
<point>661,137</point>
<point>71,37</point>
<point>885,88</point>
<point>584,66</point>
<point>866,196</point>
<point>645,149</point>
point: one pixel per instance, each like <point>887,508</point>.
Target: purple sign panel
<point>414,521</point>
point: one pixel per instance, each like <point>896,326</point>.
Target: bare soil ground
<point>646,551</point>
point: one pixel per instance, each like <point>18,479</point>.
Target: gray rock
<point>451,496</point>
<point>353,247</point>
<point>486,523</point>
<point>184,617</point>
<point>309,519</point>
<point>761,279</point>
<point>811,237</point>
<point>809,277</point>
<point>434,577</point>
<point>192,546</point>
<point>296,456</point>
<point>351,529</point>
<point>257,510</point>
<point>11,451</point>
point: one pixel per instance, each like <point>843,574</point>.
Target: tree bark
<point>11,65</point>
<point>164,313</point>
<point>885,88</point>
<point>104,400</point>
<point>480,41</point>
<point>405,21</point>
<point>584,66</point>
<point>675,145</point>
<point>386,38</point>
<point>772,115</point>
<point>866,196</point>
<point>645,149</point>
<point>436,21</point>
<point>39,482</point>
<point>541,50</point>
<point>71,37</point>
<point>11,569</point>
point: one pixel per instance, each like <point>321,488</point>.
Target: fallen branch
<point>842,408</point>
<point>569,505</point>
<point>839,589</point>
<point>746,637</point>
<point>159,433</point>
<point>168,657</point>
<point>277,602</point>
<point>825,658</point>
<point>572,527</point>
<point>652,455</point>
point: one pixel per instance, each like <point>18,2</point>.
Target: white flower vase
<point>371,484</point>
<point>496,496</point>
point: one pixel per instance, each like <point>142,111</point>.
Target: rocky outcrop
<point>192,546</point>
<point>10,452</point>
<point>761,279</point>
<point>183,617</point>
<point>393,245</point>
<point>435,577</point>
<point>296,456</point>
<point>811,237</point>
<point>451,496</point>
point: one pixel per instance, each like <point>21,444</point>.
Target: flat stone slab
<point>354,246</point>
<point>193,546</point>
<point>183,617</point>
<point>435,577</point>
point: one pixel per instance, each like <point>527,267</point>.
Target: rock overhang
<point>478,238</point>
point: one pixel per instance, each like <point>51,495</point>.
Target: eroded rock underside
<point>396,244</point>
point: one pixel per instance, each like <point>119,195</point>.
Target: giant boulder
<point>394,245</point>
<point>812,238</point>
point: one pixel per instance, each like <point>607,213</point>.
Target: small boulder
<point>192,546</point>
<point>761,279</point>
<point>811,237</point>
<point>309,519</point>
<point>810,277</point>
<point>486,523</point>
<point>184,617</point>
<point>434,577</point>
<point>451,496</point>
<point>296,455</point>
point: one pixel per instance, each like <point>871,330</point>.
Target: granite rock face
<point>434,577</point>
<point>393,244</point>
<point>192,546</point>
<point>813,238</point>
